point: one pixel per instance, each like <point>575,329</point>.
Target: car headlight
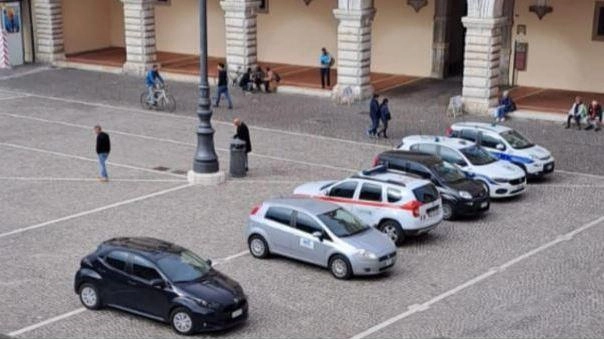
<point>207,304</point>
<point>500,180</point>
<point>465,194</point>
<point>534,157</point>
<point>366,254</point>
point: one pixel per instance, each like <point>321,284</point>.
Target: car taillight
<point>448,131</point>
<point>413,206</point>
<point>255,210</point>
<point>376,161</point>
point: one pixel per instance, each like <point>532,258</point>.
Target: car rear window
<point>281,215</point>
<point>371,192</point>
<point>426,194</point>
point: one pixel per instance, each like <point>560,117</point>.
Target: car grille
<point>517,181</point>
<point>234,306</point>
<point>387,256</point>
<point>382,269</point>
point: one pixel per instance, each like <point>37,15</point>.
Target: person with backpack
<point>385,116</point>
<point>326,61</point>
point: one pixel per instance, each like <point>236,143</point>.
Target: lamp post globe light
<point>206,169</point>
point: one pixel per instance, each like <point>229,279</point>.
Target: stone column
<point>48,21</point>
<point>506,42</point>
<point>240,29</point>
<point>139,20</point>
<point>440,44</point>
<point>354,50</point>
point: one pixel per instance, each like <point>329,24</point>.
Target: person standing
<point>152,79</point>
<point>269,77</point>
<point>374,115</point>
<point>223,86</point>
<point>103,147</point>
<point>326,61</point>
<point>243,133</point>
<point>576,112</point>
<point>384,117</point>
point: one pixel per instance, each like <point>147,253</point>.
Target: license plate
<point>237,313</point>
<point>389,262</point>
<point>484,204</point>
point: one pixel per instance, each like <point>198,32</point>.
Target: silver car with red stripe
<point>394,202</point>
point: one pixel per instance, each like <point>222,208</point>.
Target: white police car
<point>395,203</point>
<point>502,178</point>
<point>507,144</point>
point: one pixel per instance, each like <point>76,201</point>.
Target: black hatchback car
<point>460,194</point>
<point>161,281</point>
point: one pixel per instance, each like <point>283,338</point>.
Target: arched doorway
<point>448,38</point>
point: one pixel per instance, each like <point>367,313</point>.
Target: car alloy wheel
<point>339,267</point>
<point>182,322</point>
<point>393,230</point>
<point>258,246</point>
<point>447,211</point>
<point>89,296</point>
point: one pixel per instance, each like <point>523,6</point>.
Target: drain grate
<point>161,168</point>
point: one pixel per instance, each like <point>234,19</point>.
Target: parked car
<point>319,233</point>
<point>460,194</point>
<point>502,178</point>
<point>396,204</point>
<point>161,281</point>
<point>507,144</point>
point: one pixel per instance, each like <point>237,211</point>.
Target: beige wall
<point>294,33</point>
<point>86,24</point>
<point>177,27</point>
<point>561,53</point>
<point>116,26</point>
<point>402,39</point>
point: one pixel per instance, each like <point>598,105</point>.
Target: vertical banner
<point>4,56</point>
<point>11,21</point>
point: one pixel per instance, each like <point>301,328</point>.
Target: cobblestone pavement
<point>530,267</point>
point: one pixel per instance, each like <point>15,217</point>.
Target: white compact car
<point>397,204</point>
<point>507,144</point>
<point>502,178</point>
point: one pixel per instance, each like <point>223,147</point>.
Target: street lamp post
<point>205,165</point>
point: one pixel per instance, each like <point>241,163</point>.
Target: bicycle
<point>164,101</point>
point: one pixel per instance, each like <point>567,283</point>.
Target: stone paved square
<point>527,264</point>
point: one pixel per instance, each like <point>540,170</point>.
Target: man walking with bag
<point>103,147</point>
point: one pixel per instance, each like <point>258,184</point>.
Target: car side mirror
<point>158,283</point>
<point>209,262</point>
<point>500,147</point>
<point>318,235</point>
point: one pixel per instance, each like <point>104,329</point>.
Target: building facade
<point>488,43</point>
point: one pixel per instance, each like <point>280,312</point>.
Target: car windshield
<point>342,223</point>
<point>327,185</point>
<point>448,172</point>
<point>184,266</point>
<point>477,155</point>
<point>516,140</point>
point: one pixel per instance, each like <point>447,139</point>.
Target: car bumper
<point>420,230</point>
<point>471,207</point>
<point>506,190</point>
<point>540,170</point>
<point>373,267</point>
<point>220,321</point>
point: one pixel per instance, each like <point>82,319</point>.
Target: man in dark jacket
<point>243,133</point>
<point>103,147</point>
<point>374,114</point>
<point>223,86</point>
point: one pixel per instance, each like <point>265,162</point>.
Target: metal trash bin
<point>238,158</point>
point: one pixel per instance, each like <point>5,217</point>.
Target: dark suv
<point>460,195</point>
<point>161,281</point>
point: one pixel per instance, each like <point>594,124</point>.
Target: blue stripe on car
<point>512,158</point>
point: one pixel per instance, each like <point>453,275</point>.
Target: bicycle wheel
<point>144,102</point>
<point>169,104</point>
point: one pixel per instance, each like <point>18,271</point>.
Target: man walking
<point>223,86</point>
<point>103,147</point>
<point>384,117</point>
<point>243,133</point>
<point>326,61</point>
<point>374,114</point>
